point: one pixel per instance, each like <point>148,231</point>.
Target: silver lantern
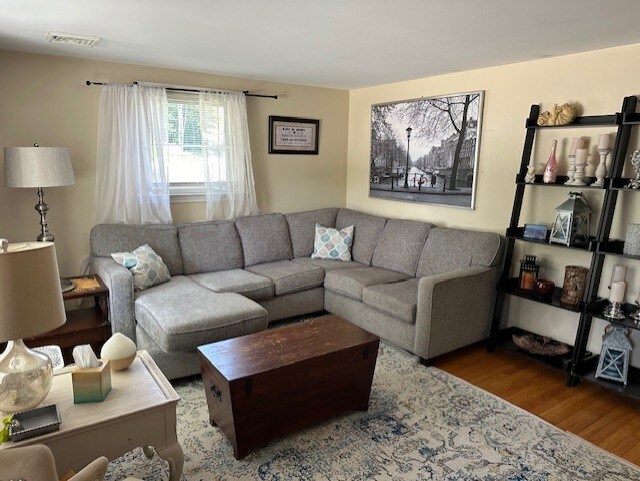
<point>614,356</point>
<point>571,223</point>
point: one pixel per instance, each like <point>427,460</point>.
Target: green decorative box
<point>91,384</point>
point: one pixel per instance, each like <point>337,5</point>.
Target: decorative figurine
<point>530,176</point>
<point>561,115</point>
<point>635,162</point>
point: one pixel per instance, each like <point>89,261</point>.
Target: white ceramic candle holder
<point>572,169</point>
<point>601,171</point>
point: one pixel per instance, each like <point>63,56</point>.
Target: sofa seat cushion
<point>351,282</point>
<point>328,264</point>
<point>239,281</point>
<point>398,299</point>
<point>181,315</point>
<point>289,277</point>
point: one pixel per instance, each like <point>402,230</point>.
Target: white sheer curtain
<point>131,179</point>
<point>229,184</point>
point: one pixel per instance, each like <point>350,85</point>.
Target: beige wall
<point>44,100</point>
<point>597,81</point>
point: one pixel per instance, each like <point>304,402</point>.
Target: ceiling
<point>342,44</point>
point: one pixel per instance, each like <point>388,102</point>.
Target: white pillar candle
<point>575,145</point>
<point>603,142</point>
<point>619,273</point>
<point>617,291</point>
<point>581,156</point>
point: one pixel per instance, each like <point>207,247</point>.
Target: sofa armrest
<point>454,309</point>
<point>119,281</point>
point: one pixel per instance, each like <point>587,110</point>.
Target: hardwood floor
<point>602,417</point>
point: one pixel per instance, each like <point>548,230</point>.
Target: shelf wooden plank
<point>560,182</point>
<point>632,389</point>
<point>596,308</point>
<point>615,247</point>
<point>621,183</point>
<point>512,288</point>
<point>584,121</point>
<point>518,231</point>
<point>505,341</point>
<point>631,118</point>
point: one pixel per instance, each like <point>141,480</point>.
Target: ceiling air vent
<point>72,39</point>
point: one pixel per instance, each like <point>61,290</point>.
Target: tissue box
<point>91,384</point>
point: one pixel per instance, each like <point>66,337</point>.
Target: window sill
<point>186,198</point>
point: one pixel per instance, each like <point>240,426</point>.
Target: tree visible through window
<point>185,150</point>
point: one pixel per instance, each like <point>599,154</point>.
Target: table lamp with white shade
<point>30,304</point>
<point>37,167</point>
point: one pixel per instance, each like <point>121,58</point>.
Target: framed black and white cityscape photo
<point>426,150</point>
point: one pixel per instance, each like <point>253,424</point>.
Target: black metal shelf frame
<point>582,362</point>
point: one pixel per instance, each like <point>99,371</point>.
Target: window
<point>186,152</point>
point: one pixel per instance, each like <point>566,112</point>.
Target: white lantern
<point>614,356</point>
<point>571,223</point>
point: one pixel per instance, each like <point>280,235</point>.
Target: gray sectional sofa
<point>426,289</point>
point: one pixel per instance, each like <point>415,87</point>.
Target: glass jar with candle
<point>575,280</point>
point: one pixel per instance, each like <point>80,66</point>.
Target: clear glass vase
<point>25,377</point>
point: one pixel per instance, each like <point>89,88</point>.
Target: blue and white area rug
<point>422,423</point>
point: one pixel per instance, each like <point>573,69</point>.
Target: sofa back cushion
<point>302,228</point>
<point>400,245</point>
<point>366,232</point>
<point>106,239</point>
<point>265,238</point>
<point>450,249</point>
<point>210,247</point>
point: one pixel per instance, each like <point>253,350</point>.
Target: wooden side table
<point>140,411</point>
<point>88,325</point>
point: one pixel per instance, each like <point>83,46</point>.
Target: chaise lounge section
<point>426,289</point>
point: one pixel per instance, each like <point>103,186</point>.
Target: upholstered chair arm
<point>454,309</point>
<point>94,471</point>
<point>119,281</point>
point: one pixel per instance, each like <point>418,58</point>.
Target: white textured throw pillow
<point>332,243</point>
<point>147,267</point>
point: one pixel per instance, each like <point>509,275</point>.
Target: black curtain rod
<point>174,89</point>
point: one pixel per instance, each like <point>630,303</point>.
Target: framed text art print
<point>426,150</point>
<point>291,135</point>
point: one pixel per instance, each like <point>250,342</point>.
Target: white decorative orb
<point>120,350</point>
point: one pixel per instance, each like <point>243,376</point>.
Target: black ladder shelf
<point>579,363</point>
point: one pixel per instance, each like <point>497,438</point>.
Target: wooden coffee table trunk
<point>264,385</point>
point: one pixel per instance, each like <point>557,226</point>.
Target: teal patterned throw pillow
<point>332,243</point>
<point>146,266</point>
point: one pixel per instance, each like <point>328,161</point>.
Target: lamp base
<point>25,377</point>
